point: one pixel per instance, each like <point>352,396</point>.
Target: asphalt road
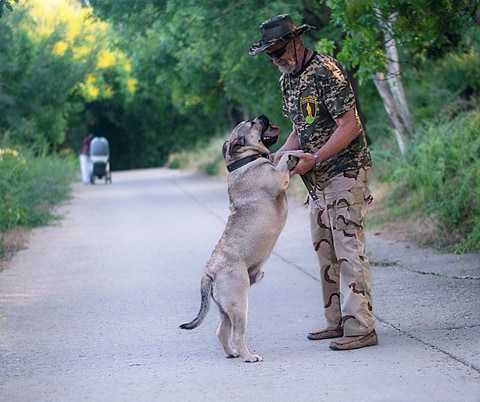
<point>90,310</point>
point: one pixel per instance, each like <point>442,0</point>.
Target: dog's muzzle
<point>267,140</point>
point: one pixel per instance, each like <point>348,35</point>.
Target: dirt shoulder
<point>12,242</point>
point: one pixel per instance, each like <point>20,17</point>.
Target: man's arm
<point>348,128</point>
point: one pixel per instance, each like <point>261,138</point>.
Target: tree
<point>53,61</point>
<point>193,67</point>
<point>390,87</point>
<point>380,32</point>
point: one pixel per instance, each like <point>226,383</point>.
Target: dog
<point>258,211</point>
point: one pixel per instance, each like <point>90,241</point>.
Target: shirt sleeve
<point>337,92</point>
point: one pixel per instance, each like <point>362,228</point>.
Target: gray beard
<point>288,69</point>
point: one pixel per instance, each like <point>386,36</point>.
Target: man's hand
<point>305,164</point>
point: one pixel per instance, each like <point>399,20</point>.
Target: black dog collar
<point>242,162</point>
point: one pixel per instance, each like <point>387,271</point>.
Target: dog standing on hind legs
<point>258,212</point>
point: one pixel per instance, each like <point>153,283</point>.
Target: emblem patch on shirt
<point>309,107</point>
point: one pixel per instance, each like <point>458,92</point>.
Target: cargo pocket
<point>349,211</point>
<point>349,219</point>
<point>365,199</point>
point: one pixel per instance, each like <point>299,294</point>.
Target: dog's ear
<point>224,149</point>
<point>236,144</point>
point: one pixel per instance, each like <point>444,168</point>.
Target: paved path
<point>90,311</point>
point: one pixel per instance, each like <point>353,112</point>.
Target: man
<point>85,165</point>
<point>334,162</point>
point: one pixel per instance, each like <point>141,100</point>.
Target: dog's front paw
<point>292,161</point>
<point>232,355</point>
<point>253,359</point>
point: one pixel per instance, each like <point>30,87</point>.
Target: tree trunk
<point>390,86</point>
<point>391,109</point>
<point>394,79</point>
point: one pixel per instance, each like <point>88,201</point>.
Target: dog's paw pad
<point>253,359</point>
<point>232,355</point>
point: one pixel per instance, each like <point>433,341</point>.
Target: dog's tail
<point>205,291</point>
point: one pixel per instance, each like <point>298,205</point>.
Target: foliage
<point>442,179</point>
<point>205,157</point>
<point>194,71</point>
<point>440,88</point>
<point>54,58</point>
<point>30,185</point>
<point>422,28</point>
<point>195,76</point>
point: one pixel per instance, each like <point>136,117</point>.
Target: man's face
<point>283,56</point>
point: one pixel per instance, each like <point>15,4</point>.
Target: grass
<point>434,192</point>
<point>206,158</point>
<point>436,188</point>
<point>29,187</point>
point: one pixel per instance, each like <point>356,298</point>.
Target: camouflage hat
<point>276,29</point>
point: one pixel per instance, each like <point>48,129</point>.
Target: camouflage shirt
<point>312,100</point>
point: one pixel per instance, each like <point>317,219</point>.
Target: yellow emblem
<point>309,107</point>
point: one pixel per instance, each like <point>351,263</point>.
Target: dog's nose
<point>264,121</point>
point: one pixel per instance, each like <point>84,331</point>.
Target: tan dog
<point>258,211</point>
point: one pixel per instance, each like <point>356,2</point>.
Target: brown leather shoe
<point>325,334</point>
<point>355,342</point>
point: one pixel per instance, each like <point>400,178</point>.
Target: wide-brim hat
<point>276,29</point>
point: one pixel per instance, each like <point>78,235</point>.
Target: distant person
<point>85,167</point>
<point>334,164</point>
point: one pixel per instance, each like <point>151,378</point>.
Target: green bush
<point>447,86</point>
<point>441,178</point>
<point>30,186</point>
<point>175,164</point>
<point>460,70</point>
<point>206,157</point>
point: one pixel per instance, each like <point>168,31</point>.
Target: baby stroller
<point>100,160</point>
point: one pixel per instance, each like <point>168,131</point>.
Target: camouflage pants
<point>336,223</point>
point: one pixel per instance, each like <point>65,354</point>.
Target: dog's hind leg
<point>239,327</point>
<point>224,332</point>
<point>231,293</point>
<point>237,311</point>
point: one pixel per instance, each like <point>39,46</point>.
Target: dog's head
<point>249,138</point>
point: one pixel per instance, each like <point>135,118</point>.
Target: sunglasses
<point>276,54</point>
